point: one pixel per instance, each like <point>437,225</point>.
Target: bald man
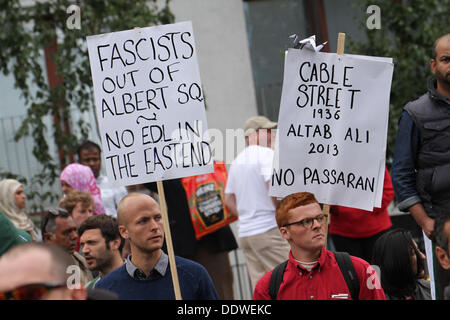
<point>35,271</point>
<point>146,274</point>
<point>421,166</point>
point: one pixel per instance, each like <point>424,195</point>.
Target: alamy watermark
<point>374,19</point>
<point>74,19</point>
<point>74,280</point>
<point>374,279</point>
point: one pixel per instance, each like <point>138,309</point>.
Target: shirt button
<point>310,277</point>
<point>312,297</point>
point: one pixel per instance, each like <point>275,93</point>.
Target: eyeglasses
<point>308,222</point>
<point>34,291</point>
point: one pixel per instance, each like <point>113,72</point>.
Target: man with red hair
<point>313,272</point>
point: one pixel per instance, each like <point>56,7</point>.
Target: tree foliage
<point>408,31</point>
<point>27,31</point>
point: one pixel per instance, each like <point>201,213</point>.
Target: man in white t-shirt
<point>89,155</point>
<point>247,195</point>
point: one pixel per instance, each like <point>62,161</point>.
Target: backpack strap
<point>345,265</point>
<point>276,278</point>
<point>348,271</point>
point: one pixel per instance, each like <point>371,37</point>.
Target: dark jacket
<point>447,293</point>
<point>431,116</point>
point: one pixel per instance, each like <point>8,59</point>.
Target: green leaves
<point>408,31</point>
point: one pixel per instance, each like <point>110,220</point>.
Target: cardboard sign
<point>150,104</point>
<point>332,128</point>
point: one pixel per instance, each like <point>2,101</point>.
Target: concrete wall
<point>269,25</point>
<point>224,59</point>
<point>344,16</point>
<point>11,104</point>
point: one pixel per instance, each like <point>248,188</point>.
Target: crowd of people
<point>104,242</point>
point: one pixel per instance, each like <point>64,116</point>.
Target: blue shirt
<point>195,282</point>
<point>158,271</point>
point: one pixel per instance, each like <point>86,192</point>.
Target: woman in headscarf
<point>80,177</point>
<point>12,205</point>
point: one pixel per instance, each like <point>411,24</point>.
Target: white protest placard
<point>379,193</point>
<point>150,104</point>
<point>332,128</point>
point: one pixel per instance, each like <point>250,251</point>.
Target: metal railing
<point>241,279</point>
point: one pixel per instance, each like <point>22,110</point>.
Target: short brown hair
<point>290,202</point>
<point>433,49</point>
<point>107,225</point>
<point>74,197</point>
<point>88,145</point>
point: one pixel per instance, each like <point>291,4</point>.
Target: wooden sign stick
<point>341,43</point>
<point>168,237</point>
<point>340,51</point>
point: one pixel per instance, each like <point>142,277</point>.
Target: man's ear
<point>48,237</point>
<point>123,231</point>
<point>433,65</point>
<point>443,258</point>
<point>285,233</point>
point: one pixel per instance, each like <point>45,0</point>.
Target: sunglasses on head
<point>58,211</point>
<point>34,291</point>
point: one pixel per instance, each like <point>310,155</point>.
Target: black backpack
<point>345,264</point>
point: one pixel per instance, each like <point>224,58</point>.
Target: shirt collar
<point>320,263</point>
<point>158,271</point>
